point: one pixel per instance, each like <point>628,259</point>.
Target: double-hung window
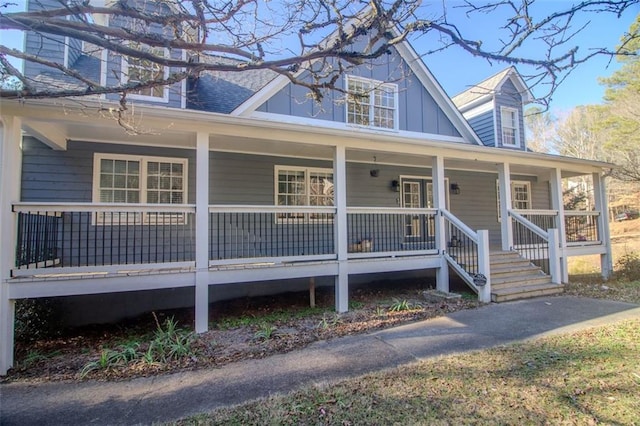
<point>141,70</point>
<point>372,103</point>
<point>520,195</point>
<point>302,186</point>
<point>131,179</point>
<point>510,125</point>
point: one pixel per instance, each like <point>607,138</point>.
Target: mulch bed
<point>235,325</point>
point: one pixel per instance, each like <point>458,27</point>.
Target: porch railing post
<point>504,182</point>
<point>10,186</point>
<point>600,195</point>
<point>202,234</point>
<point>554,260</point>
<point>439,194</point>
<point>340,228</point>
<point>558,205</point>
<point>484,268</point>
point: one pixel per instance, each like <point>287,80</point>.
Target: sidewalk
<point>169,397</point>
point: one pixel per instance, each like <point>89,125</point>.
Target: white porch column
<point>504,182</point>
<point>602,205</point>
<point>340,228</point>
<point>10,183</point>
<point>202,233</point>
<point>484,266</point>
<point>439,201</point>
<point>558,205</point>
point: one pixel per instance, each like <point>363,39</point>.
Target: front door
<point>417,193</point>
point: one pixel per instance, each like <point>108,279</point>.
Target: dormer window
<point>372,103</point>
<point>510,126</point>
<point>138,70</point>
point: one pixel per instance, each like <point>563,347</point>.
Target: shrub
<point>36,319</point>
<point>628,267</point>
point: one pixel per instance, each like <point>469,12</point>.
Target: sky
<point>456,70</point>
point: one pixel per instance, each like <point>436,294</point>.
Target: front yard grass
<point>588,377</point>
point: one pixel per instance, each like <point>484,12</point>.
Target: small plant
<point>108,358</point>
<point>34,357</point>
<point>265,332</point>
<point>332,321</point>
<point>402,305</point>
<point>380,312</point>
<point>170,342</point>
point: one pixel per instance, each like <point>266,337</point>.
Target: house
<point>240,178</point>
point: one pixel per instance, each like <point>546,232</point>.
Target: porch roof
<point>90,120</point>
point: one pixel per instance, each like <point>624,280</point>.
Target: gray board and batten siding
<point>417,109</point>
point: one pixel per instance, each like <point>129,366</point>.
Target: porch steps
<point>514,277</point>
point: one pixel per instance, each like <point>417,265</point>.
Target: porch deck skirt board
<point>100,281</point>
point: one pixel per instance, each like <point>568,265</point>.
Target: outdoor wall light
<point>395,186</point>
<point>455,188</point>
<point>375,172</point>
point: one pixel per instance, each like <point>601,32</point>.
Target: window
<point>131,179</point>
<point>510,126</point>
<point>299,186</point>
<point>372,103</point>
<point>520,195</point>
<point>137,70</point>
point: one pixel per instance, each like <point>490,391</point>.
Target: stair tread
<point>514,268</point>
<point>527,288</point>
<point>524,279</point>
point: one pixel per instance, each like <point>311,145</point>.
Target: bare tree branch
<point>287,37</point>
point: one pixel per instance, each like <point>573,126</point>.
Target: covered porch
<point>387,203</point>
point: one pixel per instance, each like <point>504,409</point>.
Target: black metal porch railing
<point>531,241</point>
<point>543,219</point>
<point>90,235</point>
<point>38,239</point>
<point>377,230</point>
<point>581,227</point>
<point>462,245</point>
<point>250,232</point>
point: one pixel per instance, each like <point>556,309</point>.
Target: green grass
<point>588,377</point>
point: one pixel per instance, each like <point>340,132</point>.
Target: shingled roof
<point>212,91</point>
<point>485,87</point>
<point>224,91</point>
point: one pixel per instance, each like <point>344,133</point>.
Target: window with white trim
<point>510,126</point>
<point>520,195</point>
<point>372,103</point>
<point>303,186</point>
<point>139,70</point>
<point>130,179</point>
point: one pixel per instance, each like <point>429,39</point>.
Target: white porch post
<point>554,256</point>
<point>439,201</point>
<point>558,205</point>
<point>504,182</point>
<point>602,205</point>
<point>340,228</point>
<point>202,233</point>
<point>484,266</point>
<point>10,183</point>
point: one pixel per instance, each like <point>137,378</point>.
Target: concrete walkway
<point>169,397</point>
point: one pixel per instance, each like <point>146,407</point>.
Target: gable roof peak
<point>492,85</point>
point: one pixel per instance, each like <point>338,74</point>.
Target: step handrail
<point>476,275</point>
